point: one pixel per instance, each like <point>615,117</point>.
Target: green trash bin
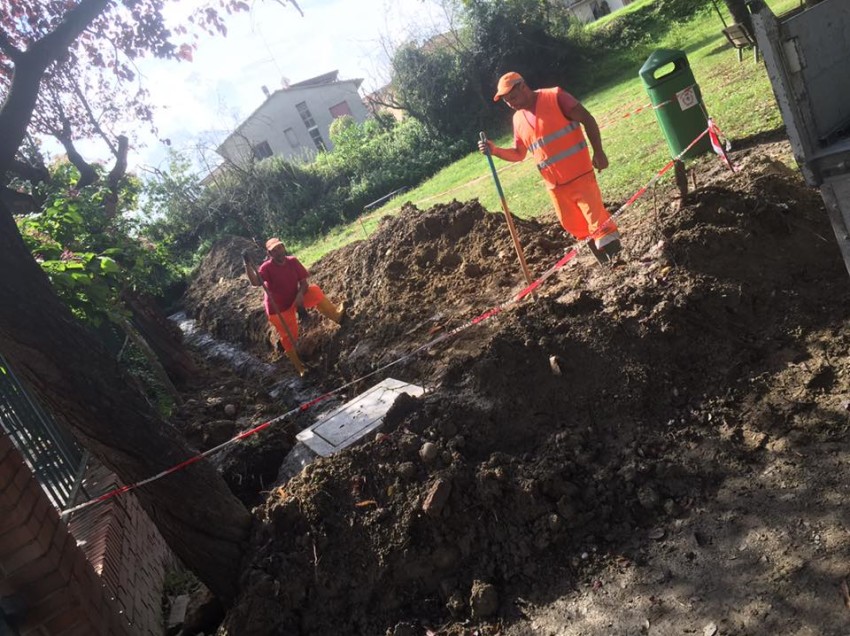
<point>677,101</point>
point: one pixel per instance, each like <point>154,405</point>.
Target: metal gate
<point>53,455</point>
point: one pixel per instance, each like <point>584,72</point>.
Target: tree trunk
<point>153,360</point>
<point>740,13</point>
<point>81,383</point>
<point>110,202</point>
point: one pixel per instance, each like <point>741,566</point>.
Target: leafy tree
<point>438,88</point>
<point>447,82</point>
<point>172,205</point>
<point>45,45</point>
<point>528,36</point>
<point>294,200</point>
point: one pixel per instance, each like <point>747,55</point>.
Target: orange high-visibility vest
<point>557,143</point>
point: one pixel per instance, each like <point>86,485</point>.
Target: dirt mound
<point>419,274</point>
<point>222,300</point>
<point>422,273</point>
<point>565,434</point>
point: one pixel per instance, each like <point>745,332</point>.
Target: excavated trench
<point>564,437</point>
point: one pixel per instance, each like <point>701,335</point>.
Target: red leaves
<point>185,52</point>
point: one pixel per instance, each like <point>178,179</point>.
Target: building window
<point>291,138</point>
<point>340,110</point>
<point>310,124</point>
<point>316,136</point>
<point>262,150</point>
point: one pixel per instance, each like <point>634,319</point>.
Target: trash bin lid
<point>660,59</point>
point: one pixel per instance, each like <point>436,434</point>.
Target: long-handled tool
<point>508,217</point>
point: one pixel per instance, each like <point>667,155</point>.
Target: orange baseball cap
<point>273,243</point>
<point>506,84</point>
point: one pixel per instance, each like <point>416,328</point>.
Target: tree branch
<point>46,50</point>
<point>8,48</point>
<point>88,174</point>
<point>94,122</point>
<point>30,66</point>
<point>29,172</point>
<point>18,202</point>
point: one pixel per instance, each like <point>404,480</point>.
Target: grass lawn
<point>737,95</point>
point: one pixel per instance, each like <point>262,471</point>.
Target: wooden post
<point>508,217</point>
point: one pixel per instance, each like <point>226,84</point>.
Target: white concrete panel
<point>355,419</point>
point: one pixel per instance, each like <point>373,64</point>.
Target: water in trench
<point>244,364</point>
<point>247,365</point>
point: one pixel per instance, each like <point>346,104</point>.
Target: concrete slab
<point>355,419</point>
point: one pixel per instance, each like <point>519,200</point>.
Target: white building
<point>591,10</point>
<point>294,121</point>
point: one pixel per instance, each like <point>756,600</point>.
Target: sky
<point>201,101</point>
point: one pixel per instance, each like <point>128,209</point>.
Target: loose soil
<point>656,446</point>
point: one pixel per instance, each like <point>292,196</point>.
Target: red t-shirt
<point>282,281</point>
<point>566,101</point>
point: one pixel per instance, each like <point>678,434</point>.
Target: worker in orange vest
<point>284,279</point>
<point>548,122</point>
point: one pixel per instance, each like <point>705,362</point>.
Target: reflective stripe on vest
<point>569,152</point>
<point>566,130</point>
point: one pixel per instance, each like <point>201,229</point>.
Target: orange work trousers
<point>580,209</point>
<point>312,297</point>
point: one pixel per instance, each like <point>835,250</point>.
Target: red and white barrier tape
<point>517,297</point>
<point>648,106</point>
<point>613,120</point>
<point>720,148</point>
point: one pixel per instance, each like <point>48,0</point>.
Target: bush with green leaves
<point>89,256</point>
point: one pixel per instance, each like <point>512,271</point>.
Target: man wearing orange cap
<point>548,122</point>
<point>284,279</point>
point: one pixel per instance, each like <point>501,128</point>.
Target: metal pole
<point>716,8</point>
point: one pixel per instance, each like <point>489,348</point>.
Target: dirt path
<point>654,447</point>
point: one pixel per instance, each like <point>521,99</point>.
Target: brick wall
<point>47,585</point>
<point>126,549</point>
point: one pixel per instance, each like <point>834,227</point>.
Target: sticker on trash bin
<point>687,98</point>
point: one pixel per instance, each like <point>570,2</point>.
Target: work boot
<point>331,311</point>
<point>607,252</point>
<point>612,249</point>
<point>292,354</point>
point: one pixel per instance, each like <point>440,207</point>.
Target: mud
<point>649,447</point>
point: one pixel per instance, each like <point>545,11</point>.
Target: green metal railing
<point>53,455</point>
